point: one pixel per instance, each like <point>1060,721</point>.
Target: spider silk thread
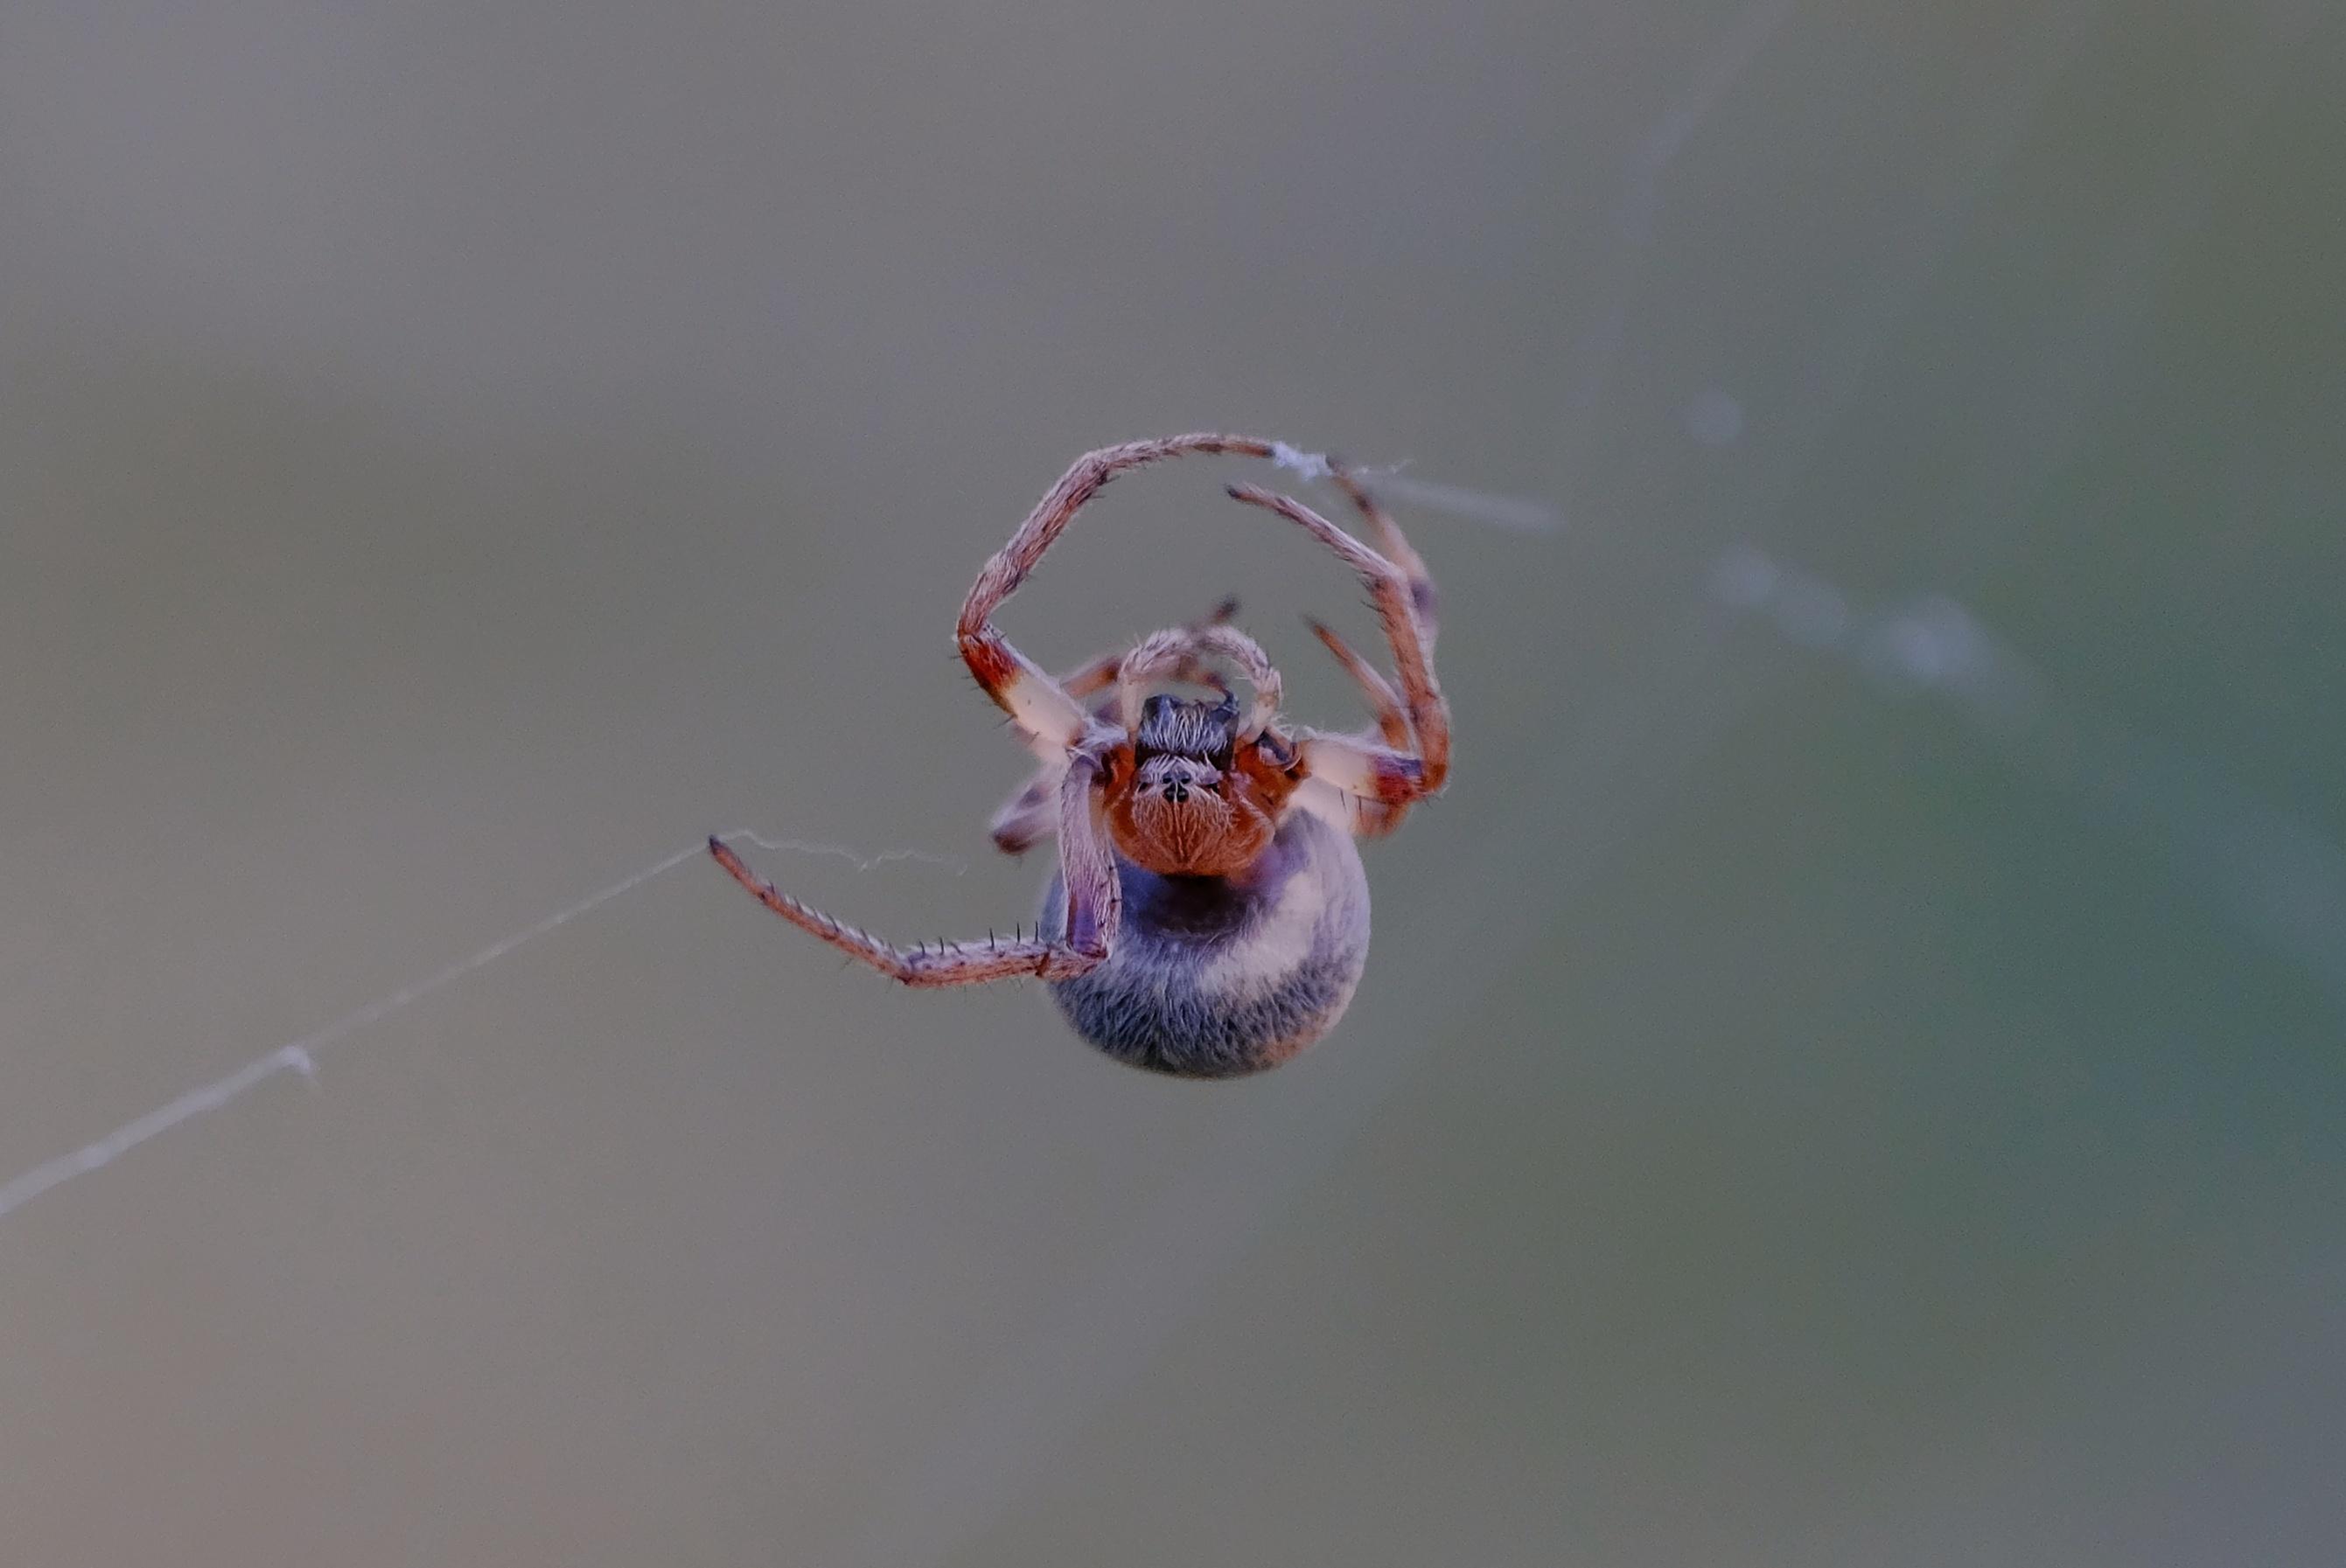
<point>298,1055</point>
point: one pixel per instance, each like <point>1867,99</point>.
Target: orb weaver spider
<point>1208,916</point>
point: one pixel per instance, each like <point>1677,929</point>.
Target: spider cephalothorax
<point>1190,795</point>
<point>1209,916</point>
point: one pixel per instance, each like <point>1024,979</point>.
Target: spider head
<point>1195,798</point>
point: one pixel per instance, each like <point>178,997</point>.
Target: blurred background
<point>1849,1073</point>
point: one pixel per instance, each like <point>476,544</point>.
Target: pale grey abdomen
<point>1213,977</point>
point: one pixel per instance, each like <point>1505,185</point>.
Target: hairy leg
<point>1393,719</point>
<point>1027,818</point>
<point>1369,818</point>
<point>1017,685</point>
<point>1095,906</point>
<point>1397,549</point>
<point>1381,773</point>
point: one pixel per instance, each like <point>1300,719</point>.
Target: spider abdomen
<point>1213,977</point>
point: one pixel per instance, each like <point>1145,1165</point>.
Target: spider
<point>1208,916</point>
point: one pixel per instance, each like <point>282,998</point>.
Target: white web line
<point>1515,514</point>
<point>1640,199</point>
<point>298,1055</point>
<point>2277,878</point>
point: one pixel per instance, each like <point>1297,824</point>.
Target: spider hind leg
<point>1093,909</point>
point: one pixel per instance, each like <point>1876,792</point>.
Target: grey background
<point>451,456</point>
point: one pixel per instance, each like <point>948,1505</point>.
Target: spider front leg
<point>1385,702</point>
<point>1402,595</point>
<point>1369,819</point>
<point>1095,908</point>
<point>1038,705</point>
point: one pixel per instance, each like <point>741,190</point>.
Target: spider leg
<point>1039,705</point>
<point>1370,820</point>
<point>1363,769</point>
<point>1393,720</point>
<point>1395,548</point>
<point>1404,603</point>
<point>1027,818</point>
<point>1095,908</point>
